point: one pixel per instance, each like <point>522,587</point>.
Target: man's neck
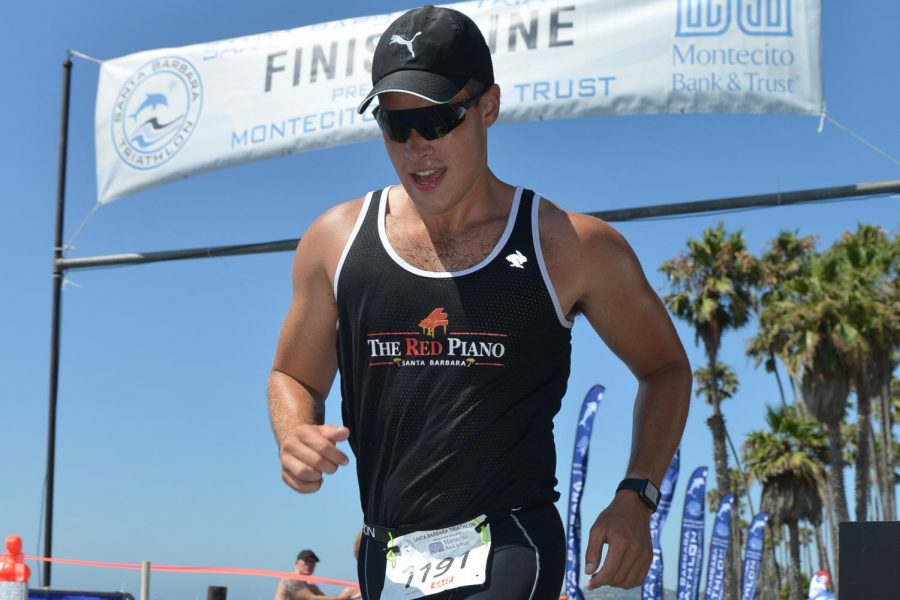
<point>487,200</point>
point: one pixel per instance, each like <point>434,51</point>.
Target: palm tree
<point>806,540</point>
<point>710,288</point>
<point>780,263</point>
<point>770,580</point>
<point>788,461</point>
<point>727,384</point>
<point>874,310</point>
<point>808,321</point>
<point>894,415</point>
<point>821,550</point>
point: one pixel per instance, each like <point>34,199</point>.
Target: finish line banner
<point>166,114</point>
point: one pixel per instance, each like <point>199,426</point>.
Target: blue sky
<point>164,451</point>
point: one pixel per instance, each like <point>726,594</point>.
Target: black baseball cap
<point>304,554</point>
<point>431,52</point>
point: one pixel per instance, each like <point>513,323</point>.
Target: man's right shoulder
<point>338,219</point>
<point>326,237</point>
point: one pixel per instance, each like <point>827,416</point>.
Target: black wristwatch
<point>645,488</point>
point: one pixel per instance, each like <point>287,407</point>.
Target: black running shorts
<point>527,560</point>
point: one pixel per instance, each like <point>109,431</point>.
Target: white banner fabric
<point>171,113</point>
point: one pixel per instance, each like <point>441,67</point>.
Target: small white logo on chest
<point>396,39</point>
<point>517,260</point>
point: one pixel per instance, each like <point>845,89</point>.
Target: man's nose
<point>416,146</point>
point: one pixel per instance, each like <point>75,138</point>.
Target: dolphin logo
<point>696,484</point>
<point>517,260</point>
<point>151,101</point>
<point>590,410</point>
<point>396,39</point>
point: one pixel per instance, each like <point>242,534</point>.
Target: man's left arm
<point>630,318</point>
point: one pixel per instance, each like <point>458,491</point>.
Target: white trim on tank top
<point>539,252</point>
<point>382,233</point>
<point>353,234</point>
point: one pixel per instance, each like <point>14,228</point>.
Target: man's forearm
<point>291,404</point>
<point>660,413</point>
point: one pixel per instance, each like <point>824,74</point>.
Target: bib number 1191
<point>440,569</point>
<point>427,562</point>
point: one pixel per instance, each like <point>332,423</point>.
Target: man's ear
<point>490,105</point>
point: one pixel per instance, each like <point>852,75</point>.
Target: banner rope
<point>822,117</point>
<point>861,139</point>
<point>207,570</point>
<point>84,56</point>
<point>70,244</point>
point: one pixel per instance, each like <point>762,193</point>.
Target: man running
<point>454,295</point>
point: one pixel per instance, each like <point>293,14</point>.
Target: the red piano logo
<point>436,318</point>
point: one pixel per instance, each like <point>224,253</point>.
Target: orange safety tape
<point>179,569</point>
<point>218,570</point>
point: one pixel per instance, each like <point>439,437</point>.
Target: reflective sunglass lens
<point>431,122</point>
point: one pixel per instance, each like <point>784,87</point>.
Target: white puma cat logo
<point>396,39</point>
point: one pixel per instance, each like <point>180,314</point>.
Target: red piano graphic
<point>436,318</point>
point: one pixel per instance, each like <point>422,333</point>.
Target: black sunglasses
<point>431,122</point>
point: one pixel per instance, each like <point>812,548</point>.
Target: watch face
<point>652,493</point>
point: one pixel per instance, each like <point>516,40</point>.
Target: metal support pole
<point>878,188</point>
<point>145,580</point>
<point>57,310</point>
<point>216,592</point>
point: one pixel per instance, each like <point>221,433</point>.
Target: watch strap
<point>644,488</point>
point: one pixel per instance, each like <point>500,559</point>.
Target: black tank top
<point>450,380</point>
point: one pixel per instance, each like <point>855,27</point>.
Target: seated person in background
<point>294,589</point>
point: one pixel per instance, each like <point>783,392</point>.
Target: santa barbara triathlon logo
<point>434,345</point>
<point>156,111</point>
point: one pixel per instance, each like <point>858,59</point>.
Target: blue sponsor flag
<point>690,556</point>
<point>718,549</point>
<point>753,555</point>
<point>576,484</point>
<point>653,584</point>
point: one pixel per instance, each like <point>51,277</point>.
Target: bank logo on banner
<point>156,111</point>
<point>716,17</point>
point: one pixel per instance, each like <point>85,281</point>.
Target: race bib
<point>428,562</point>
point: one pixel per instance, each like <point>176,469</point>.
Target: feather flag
<point>653,584</point>
<point>690,557</point>
<point>589,407</point>
<point>718,549</point>
<point>753,555</point>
